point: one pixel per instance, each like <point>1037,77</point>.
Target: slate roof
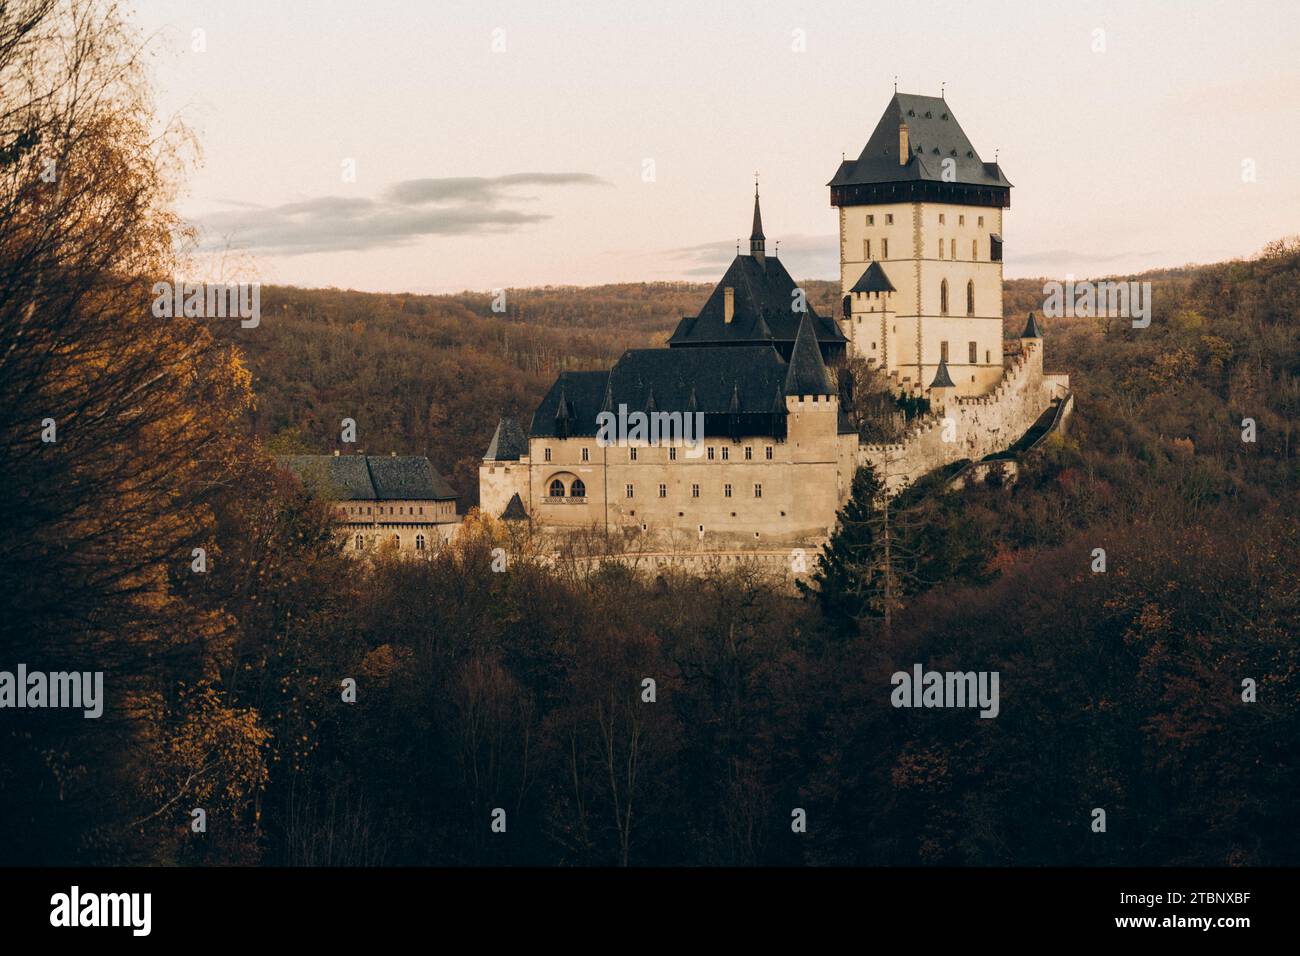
<point>508,443</point>
<point>941,377</point>
<point>757,231</point>
<point>515,510</point>
<point>933,135</point>
<point>873,280</point>
<point>763,309</point>
<point>1032,330</point>
<point>722,383</point>
<point>806,373</point>
<point>371,477</point>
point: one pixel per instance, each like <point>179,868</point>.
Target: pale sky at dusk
<point>477,169</point>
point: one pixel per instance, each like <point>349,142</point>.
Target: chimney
<point>903,150</point>
<point>728,304</point>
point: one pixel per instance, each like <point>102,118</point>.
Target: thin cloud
<point>404,213</point>
<point>802,255</point>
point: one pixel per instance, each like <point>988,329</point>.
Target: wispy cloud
<point>403,213</point>
<point>804,256</point>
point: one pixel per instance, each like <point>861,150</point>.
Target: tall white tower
<point>921,248</point>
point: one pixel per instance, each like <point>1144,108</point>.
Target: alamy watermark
<point>652,428</point>
<point>1098,300</point>
<point>37,689</point>
<point>209,300</point>
<point>922,688</point>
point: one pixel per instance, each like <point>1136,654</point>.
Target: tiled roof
<point>508,442</point>
<point>370,477</point>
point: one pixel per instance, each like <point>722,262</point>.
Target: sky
<point>440,145</point>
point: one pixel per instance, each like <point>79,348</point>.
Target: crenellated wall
<point>961,427</point>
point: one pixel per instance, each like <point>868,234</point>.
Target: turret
<point>757,241</point>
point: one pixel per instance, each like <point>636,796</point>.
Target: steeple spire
<point>757,241</point>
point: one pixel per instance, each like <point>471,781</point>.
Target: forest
<point>325,711</point>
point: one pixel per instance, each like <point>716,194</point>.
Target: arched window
<point>970,297</point>
<point>419,542</point>
<point>361,542</point>
<point>557,488</point>
<point>579,490</point>
<point>943,297</point>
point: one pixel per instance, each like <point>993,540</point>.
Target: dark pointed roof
<point>1031,329</point>
<point>933,135</point>
<point>873,280</point>
<point>515,510</point>
<point>757,232</point>
<point>806,374</point>
<point>764,309</point>
<point>941,377</point>
<point>370,477</point>
<point>508,442</point>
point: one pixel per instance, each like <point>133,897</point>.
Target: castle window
<point>961,220</point>
<point>726,491</point>
<point>726,453</point>
<point>546,454</point>
<point>419,542</point>
<point>663,490</point>
<point>672,454</point>
<point>981,222</point>
<point>695,491</point>
<point>974,248</point>
<point>941,219</point>
<point>361,542</point>
<point>421,509</point>
<point>767,452</point>
<point>749,453</point>
<point>988,357</point>
<point>952,248</point>
<point>943,297</point>
<point>995,248</point>
<point>710,455</point>
<point>889,219</point>
<point>631,454</point>
<point>871,220</point>
<point>943,351</point>
<point>940,248</point>
<point>397,540</point>
<point>586,454</point>
<point>974,353</point>
<point>758,490</point>
<point>579,490</point>
<point>866,249</point>
<point>884,246</point>
<point>970,299</point>
<point>629,490</point>
<point>557,488</point>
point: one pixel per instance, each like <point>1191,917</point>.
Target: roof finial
<point>942,88</point>
<point>895,82</point>
<point>737,247</point>
<point>778,247</point>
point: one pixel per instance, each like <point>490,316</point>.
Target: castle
<point>920,228</point>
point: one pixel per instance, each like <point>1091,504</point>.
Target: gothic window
<point>970,297</point>
<point>943,297</point>
<point>579,490</point>
<point>361,542</point>
<point>557,488</point>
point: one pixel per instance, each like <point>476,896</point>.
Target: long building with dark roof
<point>398,501</point>
<point>770,453</point>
